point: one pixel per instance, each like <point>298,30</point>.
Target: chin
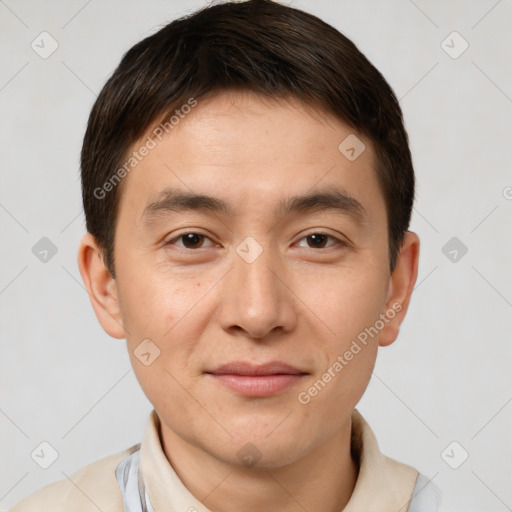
<point>261,450</point>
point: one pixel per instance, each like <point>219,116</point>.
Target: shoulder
<point>93,487</point>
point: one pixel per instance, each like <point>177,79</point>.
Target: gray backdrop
<point>440,397</point>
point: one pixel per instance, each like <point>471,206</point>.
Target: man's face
<point>252,283</point>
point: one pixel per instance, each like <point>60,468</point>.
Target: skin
<point>204,306</point>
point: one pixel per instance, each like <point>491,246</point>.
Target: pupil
<point>318,239</point>
<point>192,239</point>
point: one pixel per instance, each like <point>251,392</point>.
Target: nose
<point>256,298</point>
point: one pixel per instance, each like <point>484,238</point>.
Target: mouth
<point>257,380</point>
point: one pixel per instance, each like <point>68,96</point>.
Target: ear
<point>401,285</point>
<point>101,286</point>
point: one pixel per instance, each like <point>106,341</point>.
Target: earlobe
<point>400,289</point>
<point>100,286</point>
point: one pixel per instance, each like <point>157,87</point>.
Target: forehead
<point>252,151</point>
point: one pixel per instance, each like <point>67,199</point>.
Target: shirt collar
<point>382,484</point>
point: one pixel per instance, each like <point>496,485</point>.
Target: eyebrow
<point>176,201</point>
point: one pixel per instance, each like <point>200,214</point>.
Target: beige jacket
<point>383,484</point>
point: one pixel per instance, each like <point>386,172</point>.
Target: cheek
<point>154,301</point>
<point>351,304</point>
<point>171,310</point>
<point>346,302</point>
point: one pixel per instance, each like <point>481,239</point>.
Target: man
<point>248,186</point>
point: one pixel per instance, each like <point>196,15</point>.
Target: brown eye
<point>190,241</point>
<point>317,240</point>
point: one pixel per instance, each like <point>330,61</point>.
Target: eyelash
<point>187,249</point>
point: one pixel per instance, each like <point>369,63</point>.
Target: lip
<point>257,380</point>
<point>248,369</point>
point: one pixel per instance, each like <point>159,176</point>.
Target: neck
<point>322,479</point>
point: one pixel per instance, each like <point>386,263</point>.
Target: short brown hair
<point>259,46</point>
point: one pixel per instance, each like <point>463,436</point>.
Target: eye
<point>319,241</point>
<point>190,240</point>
